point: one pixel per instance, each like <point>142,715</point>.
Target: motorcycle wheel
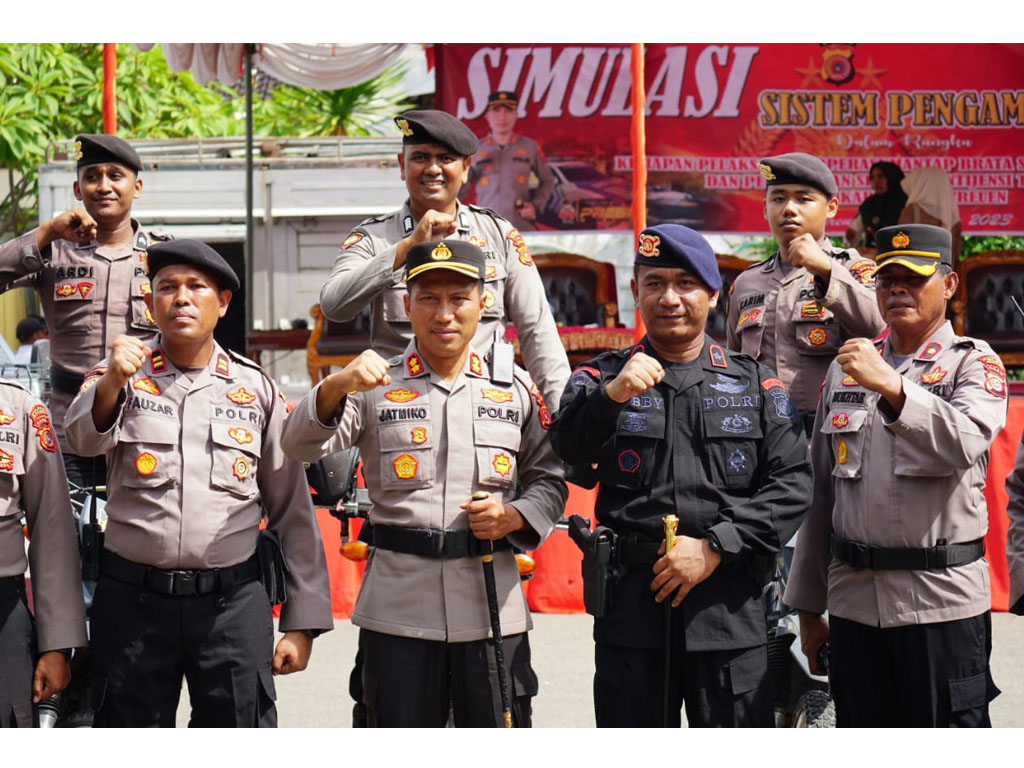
<point>815,709</point>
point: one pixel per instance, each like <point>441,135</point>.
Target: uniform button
<point>142,597</point>
<point>222,602</point>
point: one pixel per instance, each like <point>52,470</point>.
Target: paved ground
<point>563,658</point>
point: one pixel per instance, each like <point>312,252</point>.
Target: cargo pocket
<point>148,452</point>
<point>816,333</point>
<point>968,700</point>
<point>393,303</point>
<point>494,290</point>
<point>750,329</point>
<point>497,445</point>
<point>846,430</point>
<point>748,671</point>
<point>142,318</point>
<point>235,458</point>
<point>731,442</point>
<point>524,687</point>
<point>404,465</point>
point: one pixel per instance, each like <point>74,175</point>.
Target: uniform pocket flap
<point>750,318</point>
<point>968,692</point>
<point>238,437</point>
<point>748,671</point>
<point>844,421</point>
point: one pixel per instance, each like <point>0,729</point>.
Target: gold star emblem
<point>811,73</point>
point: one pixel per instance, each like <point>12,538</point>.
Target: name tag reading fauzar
<point>502,360</point>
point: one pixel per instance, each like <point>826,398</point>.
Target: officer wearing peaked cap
<point>88,266</point>
<point>893,544</point>
<point>433,430</point>
<point>679,425</point>
<point>192,439</point>
<point>794,310</point>
<point>435,162</point>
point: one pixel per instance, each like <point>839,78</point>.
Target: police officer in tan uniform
<point>893,544</point>
<point>435,163</point>
<point>192,438</point>
<point>88,266</point>
<point>509,172</point>
<point>32,482</point>
<point>433,429</point>
<point>1015,532</point>
<point>793,311</point>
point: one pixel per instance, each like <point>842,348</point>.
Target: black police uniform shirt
<point>718,444</point>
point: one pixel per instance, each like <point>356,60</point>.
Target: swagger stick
<point>492,607</point>
<point>669,522</point>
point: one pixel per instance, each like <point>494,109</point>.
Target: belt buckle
<point>183,583</point>
<point>437,541</point>
<point>861,554</point>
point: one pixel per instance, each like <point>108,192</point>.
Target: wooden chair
<point>332,343</point>
<point>982,306</point>
<point>580,291</point>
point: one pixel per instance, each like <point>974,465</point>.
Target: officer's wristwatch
<point>714,543</point>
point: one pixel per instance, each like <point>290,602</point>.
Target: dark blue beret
<point>432,126</point>
<point>918,247</point>
<point>455,255</point>
<point>799,168</point>
<point>673,245</point>
<point>93,148</point>
<point>195,254</point>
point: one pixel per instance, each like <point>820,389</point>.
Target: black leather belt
<point>637,553</point>
<point>893,559</point>
<point>68,383</point>
<point>11,586</point>
<point>433,542</point>
<point>180,583</point>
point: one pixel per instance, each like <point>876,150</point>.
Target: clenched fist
<point>433,226</point>
<point>368,371</point>
<point>127,355</point>
<point>640,374</point>
<point>804,251</point>
<point>75,225</point>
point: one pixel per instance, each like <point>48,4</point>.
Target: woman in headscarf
<point>883,208</point>
<point>930,200</point>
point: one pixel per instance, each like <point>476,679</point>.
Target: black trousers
<point>719,688</point>
<point>920,676</point>
<point>413,683</point>
<point>143,643</point>
<point>17,664</point>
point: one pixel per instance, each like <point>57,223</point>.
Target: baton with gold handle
<point>669,522</point>
<point>492,608</point>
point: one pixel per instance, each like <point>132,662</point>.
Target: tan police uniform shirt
<point>192,465</point>
<point>793,323</point>
<point>1015,531</point>
<point>502,177</point>
<point>426,446</point>
<point>904,482</point>
<point>90,293</point>
<point>513,291</point>
<point>32,482</point>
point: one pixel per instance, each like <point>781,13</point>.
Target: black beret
<point>799,168</point>
<point>503,99</point>
<point>455,255</point>
<point>192,253</point>
<point>92,148</point>
<point>673,245</point>
<point>432,126</point>
<point>918,247</point>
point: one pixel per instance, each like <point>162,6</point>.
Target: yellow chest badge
<point>6,460</point>
<point>419,435</point>
<point>502,464</point>
<point>934,376</point>
<point>840,420</point>
<point>240,468</point>
<point>497,395</point>
<point>5,418</point>
<point>405,466</point>
<point>240,435</point>
<point>841,451</point>
<point>145,464</point>
<point>241,396</point>
<point>817,336</point>
<point>401,395</point>
<point>147,385</point>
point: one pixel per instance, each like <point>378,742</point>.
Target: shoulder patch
<point>352,239</point>
<point>716,356</point>
<point>863,270</point>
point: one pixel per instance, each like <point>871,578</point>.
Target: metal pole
<point>247,74</point>
<point>109,88</point>
<point>639,142</point>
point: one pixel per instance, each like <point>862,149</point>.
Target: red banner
<point>714,110</point>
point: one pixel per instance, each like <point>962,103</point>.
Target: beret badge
<point>766,171</point>
<point>649,246</point>
<point>78,151</point>
<point>403,125</point>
